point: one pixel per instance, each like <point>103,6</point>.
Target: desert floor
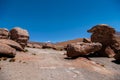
<point>48,64</point>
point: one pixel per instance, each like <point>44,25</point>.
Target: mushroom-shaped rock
<point>12,43</point>
<point>19,35</point>
<point>105,35</point>
<point>7,51</point>
<point>4,33</point>
<point>80,49</point>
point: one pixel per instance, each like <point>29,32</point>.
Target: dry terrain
<point>48,64</point>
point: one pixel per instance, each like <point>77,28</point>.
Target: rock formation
<point>4,33</point>
<point>11,43</point>
<point>79,49</point>
<point>6,50</point>
<point>19,35</point>
<point>105,35</point>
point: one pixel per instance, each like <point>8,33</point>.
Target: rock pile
<point>105,35</point>
<point>11,41</point>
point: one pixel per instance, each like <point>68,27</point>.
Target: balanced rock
<point>11,43</point>
<point>79,49</point>
<point>4,33</point>
<point>105,35</point>
<point>19,35</point>
<point>7,51</point>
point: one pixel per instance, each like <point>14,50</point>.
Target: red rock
<point>7,51</point>
<point>12,44</point>
<point>4,33</point>
<point>79,49</point>
<point>19,35</point>
<point>105,35</point>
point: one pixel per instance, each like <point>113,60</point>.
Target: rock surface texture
<point>19,35</point>
<point>6,50</point>
<point>105,35</point>
<point>12,43</point>
<point>4,33</point>
<point>78,49</point>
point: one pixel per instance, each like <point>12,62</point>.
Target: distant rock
<point>7,51</point>
<point>11,43</point>
<point>19,35</point>
<point>105,35</point>
<point>81,48</point>
<point>86,40</point>
<point>4,33</point>
<point>48,45</point>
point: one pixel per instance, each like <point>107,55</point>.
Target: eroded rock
<point>79,49</point>
<point>7,51</point>
<point>11,43</point>
<point>4,33</point>
<point>105,35</point>
<point>19,35</point>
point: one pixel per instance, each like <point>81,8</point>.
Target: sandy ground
<point>47,64</point>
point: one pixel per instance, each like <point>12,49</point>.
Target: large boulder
<point>80,49</point>
<point>19,35</point>
<point>4,33</point>
<point>11,43</point>
<point>7,51</point>
<point>105,35</point>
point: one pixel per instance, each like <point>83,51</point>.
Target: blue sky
<point>58,20</point>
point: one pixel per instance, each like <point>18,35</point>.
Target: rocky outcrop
<point>105,35</point>
<point>6,50</point>
<point>11,43</point>
<point>80,49</point>
<point>19,35</point>
<point>4,33</point>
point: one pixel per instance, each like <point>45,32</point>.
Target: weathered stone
<point>109,52</point>
<point>37,46</point>
<point>19,35</point>
<point>7,51</point>
<point>4,33</point>
<point>86,40</point>
<point>29,45</point>
<point>79,49</point>
<point>105,35</point>
<point>49,45</point>
<point>11,43</point>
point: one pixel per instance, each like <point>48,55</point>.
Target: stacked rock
<point>12,41</point>
<point>19,35</point>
